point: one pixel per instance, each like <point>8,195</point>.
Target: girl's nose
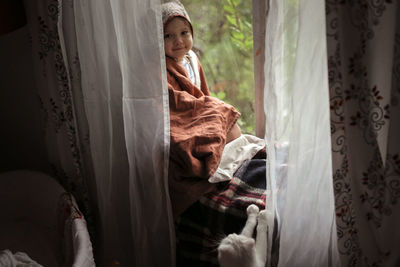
<point>178,40</point>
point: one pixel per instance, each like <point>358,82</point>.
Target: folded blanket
<point>18,259</point>
<point>234,154</point>
<point>199,127</point>
<point>219,213</point>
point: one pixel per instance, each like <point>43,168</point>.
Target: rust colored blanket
<point>199,127</point>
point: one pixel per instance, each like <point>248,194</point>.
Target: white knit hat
<point>174,9</point>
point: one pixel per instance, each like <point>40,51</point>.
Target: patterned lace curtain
<point>364,79</point>
<point>57,77</point>
<point>100,81</point>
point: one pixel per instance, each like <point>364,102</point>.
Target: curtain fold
<point>363,56</point>
<point>101,79</point>
<point>296,105</point>
<point>123,71</point>
<point>64,125</point>
<point>100,71</point>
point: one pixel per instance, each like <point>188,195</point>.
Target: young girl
<point>201,125</point>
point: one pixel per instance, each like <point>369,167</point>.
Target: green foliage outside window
<point>223,40</point>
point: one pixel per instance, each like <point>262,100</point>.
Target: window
<point>224,43</point>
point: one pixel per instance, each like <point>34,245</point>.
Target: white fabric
<point>18,259</point>
<point>297,119</point>
<point>234,154</point>
<point>191,65</point>
<point>195,66</point>
<point>189,69</point>
<point>83,252</point>
<point>120,45</point>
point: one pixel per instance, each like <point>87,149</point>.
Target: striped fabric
<point>200,228</point>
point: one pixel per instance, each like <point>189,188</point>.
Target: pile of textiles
<point>219,213</point>
<point>212,176</point>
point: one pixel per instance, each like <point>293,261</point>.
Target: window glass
<point>223,40</point>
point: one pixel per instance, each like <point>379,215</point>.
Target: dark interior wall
<point>21,137</point>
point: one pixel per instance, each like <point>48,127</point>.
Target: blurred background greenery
<point>223,40</point>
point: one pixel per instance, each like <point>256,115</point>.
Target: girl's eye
<point>166,36</point>
<point>185,32</point>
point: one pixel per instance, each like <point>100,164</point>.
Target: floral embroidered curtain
<point>96,152</point>
<point>57,77</point>
<point>363,72</point>
<point>364,80</point>
<point>105,110</point>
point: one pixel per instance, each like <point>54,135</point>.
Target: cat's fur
<point>242,250</point>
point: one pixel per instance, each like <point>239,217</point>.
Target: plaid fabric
<point>200,228</point>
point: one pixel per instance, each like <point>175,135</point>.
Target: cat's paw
<point>264,217</point>
<point>252,209</point>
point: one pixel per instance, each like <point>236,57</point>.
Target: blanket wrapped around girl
<point>200,125</point>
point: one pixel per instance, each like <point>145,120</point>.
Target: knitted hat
<point>171,10</point>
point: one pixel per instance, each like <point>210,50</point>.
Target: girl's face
<point>177,38</point>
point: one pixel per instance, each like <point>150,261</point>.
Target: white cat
<point>242,250</point>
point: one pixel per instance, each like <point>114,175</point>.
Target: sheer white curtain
<point>296,105</point>
<point>121,56</point>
